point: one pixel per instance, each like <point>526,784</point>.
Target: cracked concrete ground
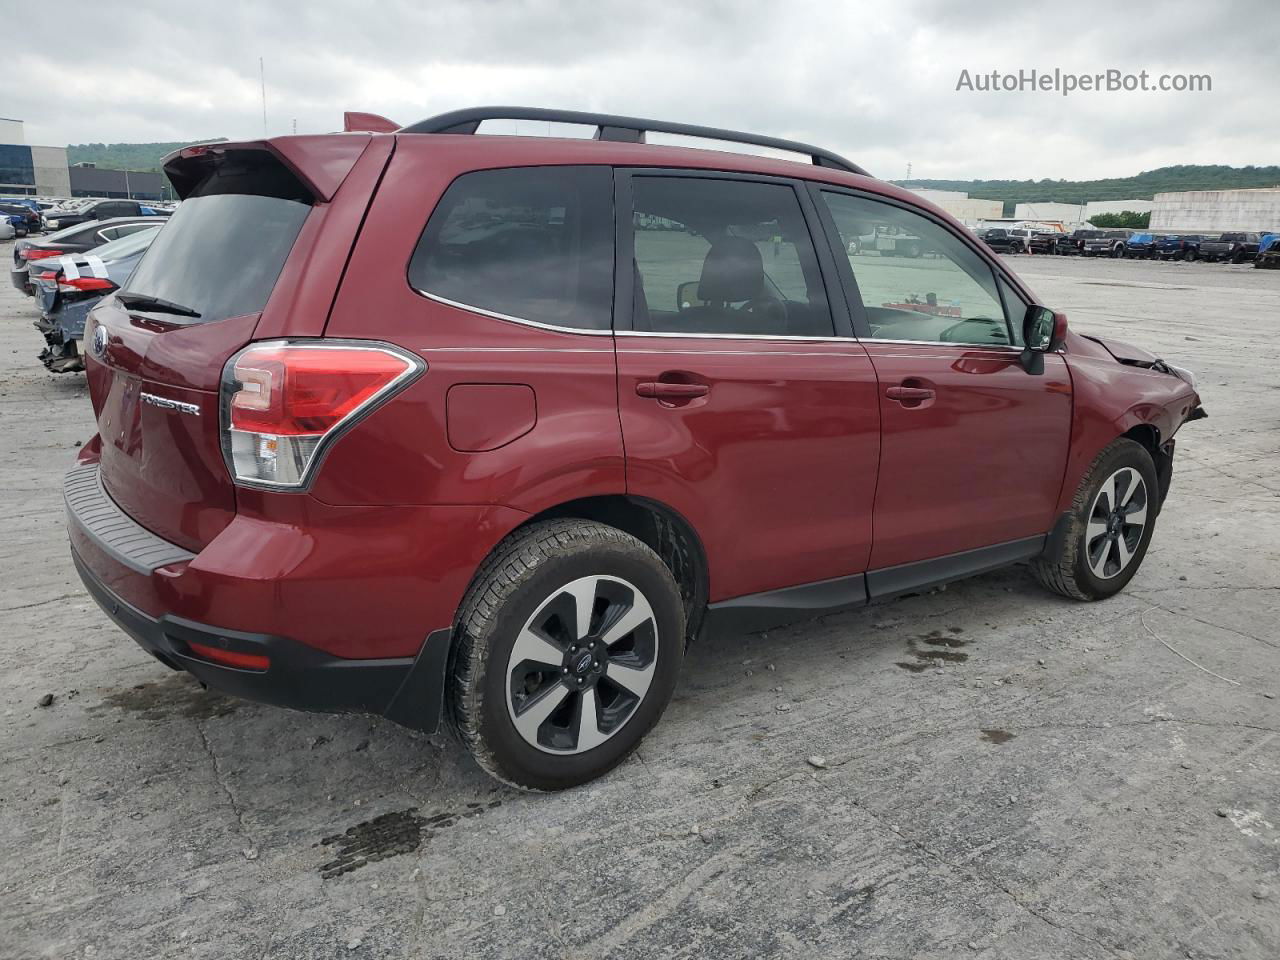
<point>1064,786</point>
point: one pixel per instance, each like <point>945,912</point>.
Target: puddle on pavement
<point>390,835</point>
<point>947,650</point>
<point>178,694</point>
<point>996,736</point>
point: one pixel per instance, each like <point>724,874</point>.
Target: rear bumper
<point>409,690</point>
<point>20,280</point>
<point>350,607</point>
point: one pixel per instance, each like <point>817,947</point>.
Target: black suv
<point>1014,240</point>
<point>1236,247</point>
<point>1175,247</point>
<point>102,210</point>
<point>1050,241</point>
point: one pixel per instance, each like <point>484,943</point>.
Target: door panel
<point>973,447</point>
<point>740,406</point>
<point>978,463</point>
<point>774,465</point>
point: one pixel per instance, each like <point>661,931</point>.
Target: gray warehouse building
<point>1217,210</point>
<point>91,181</point>
<point>32,171</point>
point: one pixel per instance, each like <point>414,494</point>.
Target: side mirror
<point>1043,331</point>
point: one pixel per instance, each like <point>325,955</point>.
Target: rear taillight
<point>284,403</point>
<point>85,285</point>
<point>32,254</point>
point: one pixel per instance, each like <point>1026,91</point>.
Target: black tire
<point>1067,568</point>
<point>913,250</point>
<point>521,578</point>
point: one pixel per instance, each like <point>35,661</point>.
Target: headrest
<point>732,271</point>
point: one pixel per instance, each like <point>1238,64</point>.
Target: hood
<point>1125,352</point>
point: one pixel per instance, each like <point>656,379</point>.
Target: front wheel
<point>569,644</point>
<point>1111,521</point>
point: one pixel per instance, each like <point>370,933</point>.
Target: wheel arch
<point>662,528</point>
<point>1148,436</point>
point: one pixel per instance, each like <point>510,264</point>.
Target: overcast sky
<point>873,81</point>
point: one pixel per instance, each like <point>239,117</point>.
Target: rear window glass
<point>221,252</point>
<point>529,243</point>
<point>125,246</point>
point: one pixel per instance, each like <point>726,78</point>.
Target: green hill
<point>1142,187</point>
<point>126,156</point>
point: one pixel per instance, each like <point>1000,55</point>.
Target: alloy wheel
<point>581,665</point>
<point>1117,521</point>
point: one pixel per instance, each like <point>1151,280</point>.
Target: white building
<point>11,131</point>
<point>29,170</point>
<point>1066,212</point>
<point>1217,210</point>
<point>1078,212</point>
<point>961,206</point>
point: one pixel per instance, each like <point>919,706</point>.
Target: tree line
<point>1144,186</point>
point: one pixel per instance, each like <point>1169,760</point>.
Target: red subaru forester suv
<point>432,424</point>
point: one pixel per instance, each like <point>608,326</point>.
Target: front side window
<point>729,257</point>
<point>527,243</point>
<point>917,280</point>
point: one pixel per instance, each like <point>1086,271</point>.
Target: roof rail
<point>624,129</point>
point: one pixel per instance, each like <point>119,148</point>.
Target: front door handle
<point>910,394</point>
<point>662,390</point>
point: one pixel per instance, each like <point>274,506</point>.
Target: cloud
<point>876,84</point>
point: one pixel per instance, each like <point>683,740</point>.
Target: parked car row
<point>68,272</point>
<point>1234,247</point>
<point>28,215</point>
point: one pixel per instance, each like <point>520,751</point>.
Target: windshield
<point>126,246</point>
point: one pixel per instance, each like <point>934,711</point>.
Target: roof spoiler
<point>354,121</point>
<point>320,161</point>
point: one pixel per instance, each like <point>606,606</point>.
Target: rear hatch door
<point>155,350</point>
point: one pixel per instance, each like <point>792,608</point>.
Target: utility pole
<point>262,79</point>
<point>295,126</point>
<point>127,192</point>
<point>908,169</point>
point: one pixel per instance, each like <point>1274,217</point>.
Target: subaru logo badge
<point>99,340</point>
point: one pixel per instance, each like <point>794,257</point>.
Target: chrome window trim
<point>702,336</point>
<point>508,318</point>
<point>734,336</point>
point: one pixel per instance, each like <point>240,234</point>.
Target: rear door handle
<point>671,391</point>
<point>909,393</point>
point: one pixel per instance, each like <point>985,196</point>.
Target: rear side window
<point>528,243</point>
<point>726,257</point>
<point>221,252</point>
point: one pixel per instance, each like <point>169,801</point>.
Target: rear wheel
<point>568,648</point>
<point>1111,521</point>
